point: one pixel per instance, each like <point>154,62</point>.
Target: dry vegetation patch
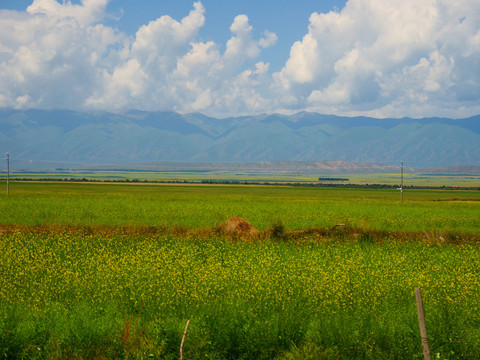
<point>239,227</point>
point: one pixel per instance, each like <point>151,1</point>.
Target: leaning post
<point>421,323</point>
<point>183,340</point>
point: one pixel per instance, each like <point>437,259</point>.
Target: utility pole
<point>8,172</point>
<point>401,186</point>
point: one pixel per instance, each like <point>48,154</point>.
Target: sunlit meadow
<point>206,206</point>
<point>88,287</point>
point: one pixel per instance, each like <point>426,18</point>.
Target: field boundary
<point>242,183</point>
<point>276,232</point>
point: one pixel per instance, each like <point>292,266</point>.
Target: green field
<point>106,271</point>
<point>192,206</point>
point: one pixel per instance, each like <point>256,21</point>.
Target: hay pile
<point>238,227</point>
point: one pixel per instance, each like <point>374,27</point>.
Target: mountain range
<point>64,136</point>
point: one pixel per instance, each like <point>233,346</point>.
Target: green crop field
<point>115,271</point>
<point>193,206</point>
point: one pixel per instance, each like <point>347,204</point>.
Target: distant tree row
<point>238,182</point>
<point>332,179</point>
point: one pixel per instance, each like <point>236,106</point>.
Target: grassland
<point>115,271</point>
<point>207,206</point>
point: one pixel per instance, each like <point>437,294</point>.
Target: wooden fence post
<point>183,340</point>
<point>421,323</point>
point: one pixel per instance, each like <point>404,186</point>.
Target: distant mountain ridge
<point>263,167</point>
<point>145,137</point>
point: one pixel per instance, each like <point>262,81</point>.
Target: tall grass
<point>71,295</point>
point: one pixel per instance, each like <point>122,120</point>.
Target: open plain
<point>111,271</point>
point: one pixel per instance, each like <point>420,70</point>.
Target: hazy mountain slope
<point>138,136</point>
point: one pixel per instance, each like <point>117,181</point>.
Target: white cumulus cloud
<point>86,13</point>
<point>60,55</point>
<point>373,57</point>
<point>387,58</point>
<point>50,54</point>
<point>166,68</point>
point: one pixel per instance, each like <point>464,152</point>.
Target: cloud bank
<point>377,58</point>
<point>387,57</point>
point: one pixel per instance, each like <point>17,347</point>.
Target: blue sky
<point>377,58</point>
<point>288,19</point>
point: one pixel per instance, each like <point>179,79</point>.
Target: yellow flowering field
<point>109,271</point>
<point>79,294</point>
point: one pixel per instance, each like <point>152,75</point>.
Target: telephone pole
<point>401,186</point>
<point>8,172</point>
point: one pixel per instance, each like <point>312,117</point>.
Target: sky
<point>379,58</point>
